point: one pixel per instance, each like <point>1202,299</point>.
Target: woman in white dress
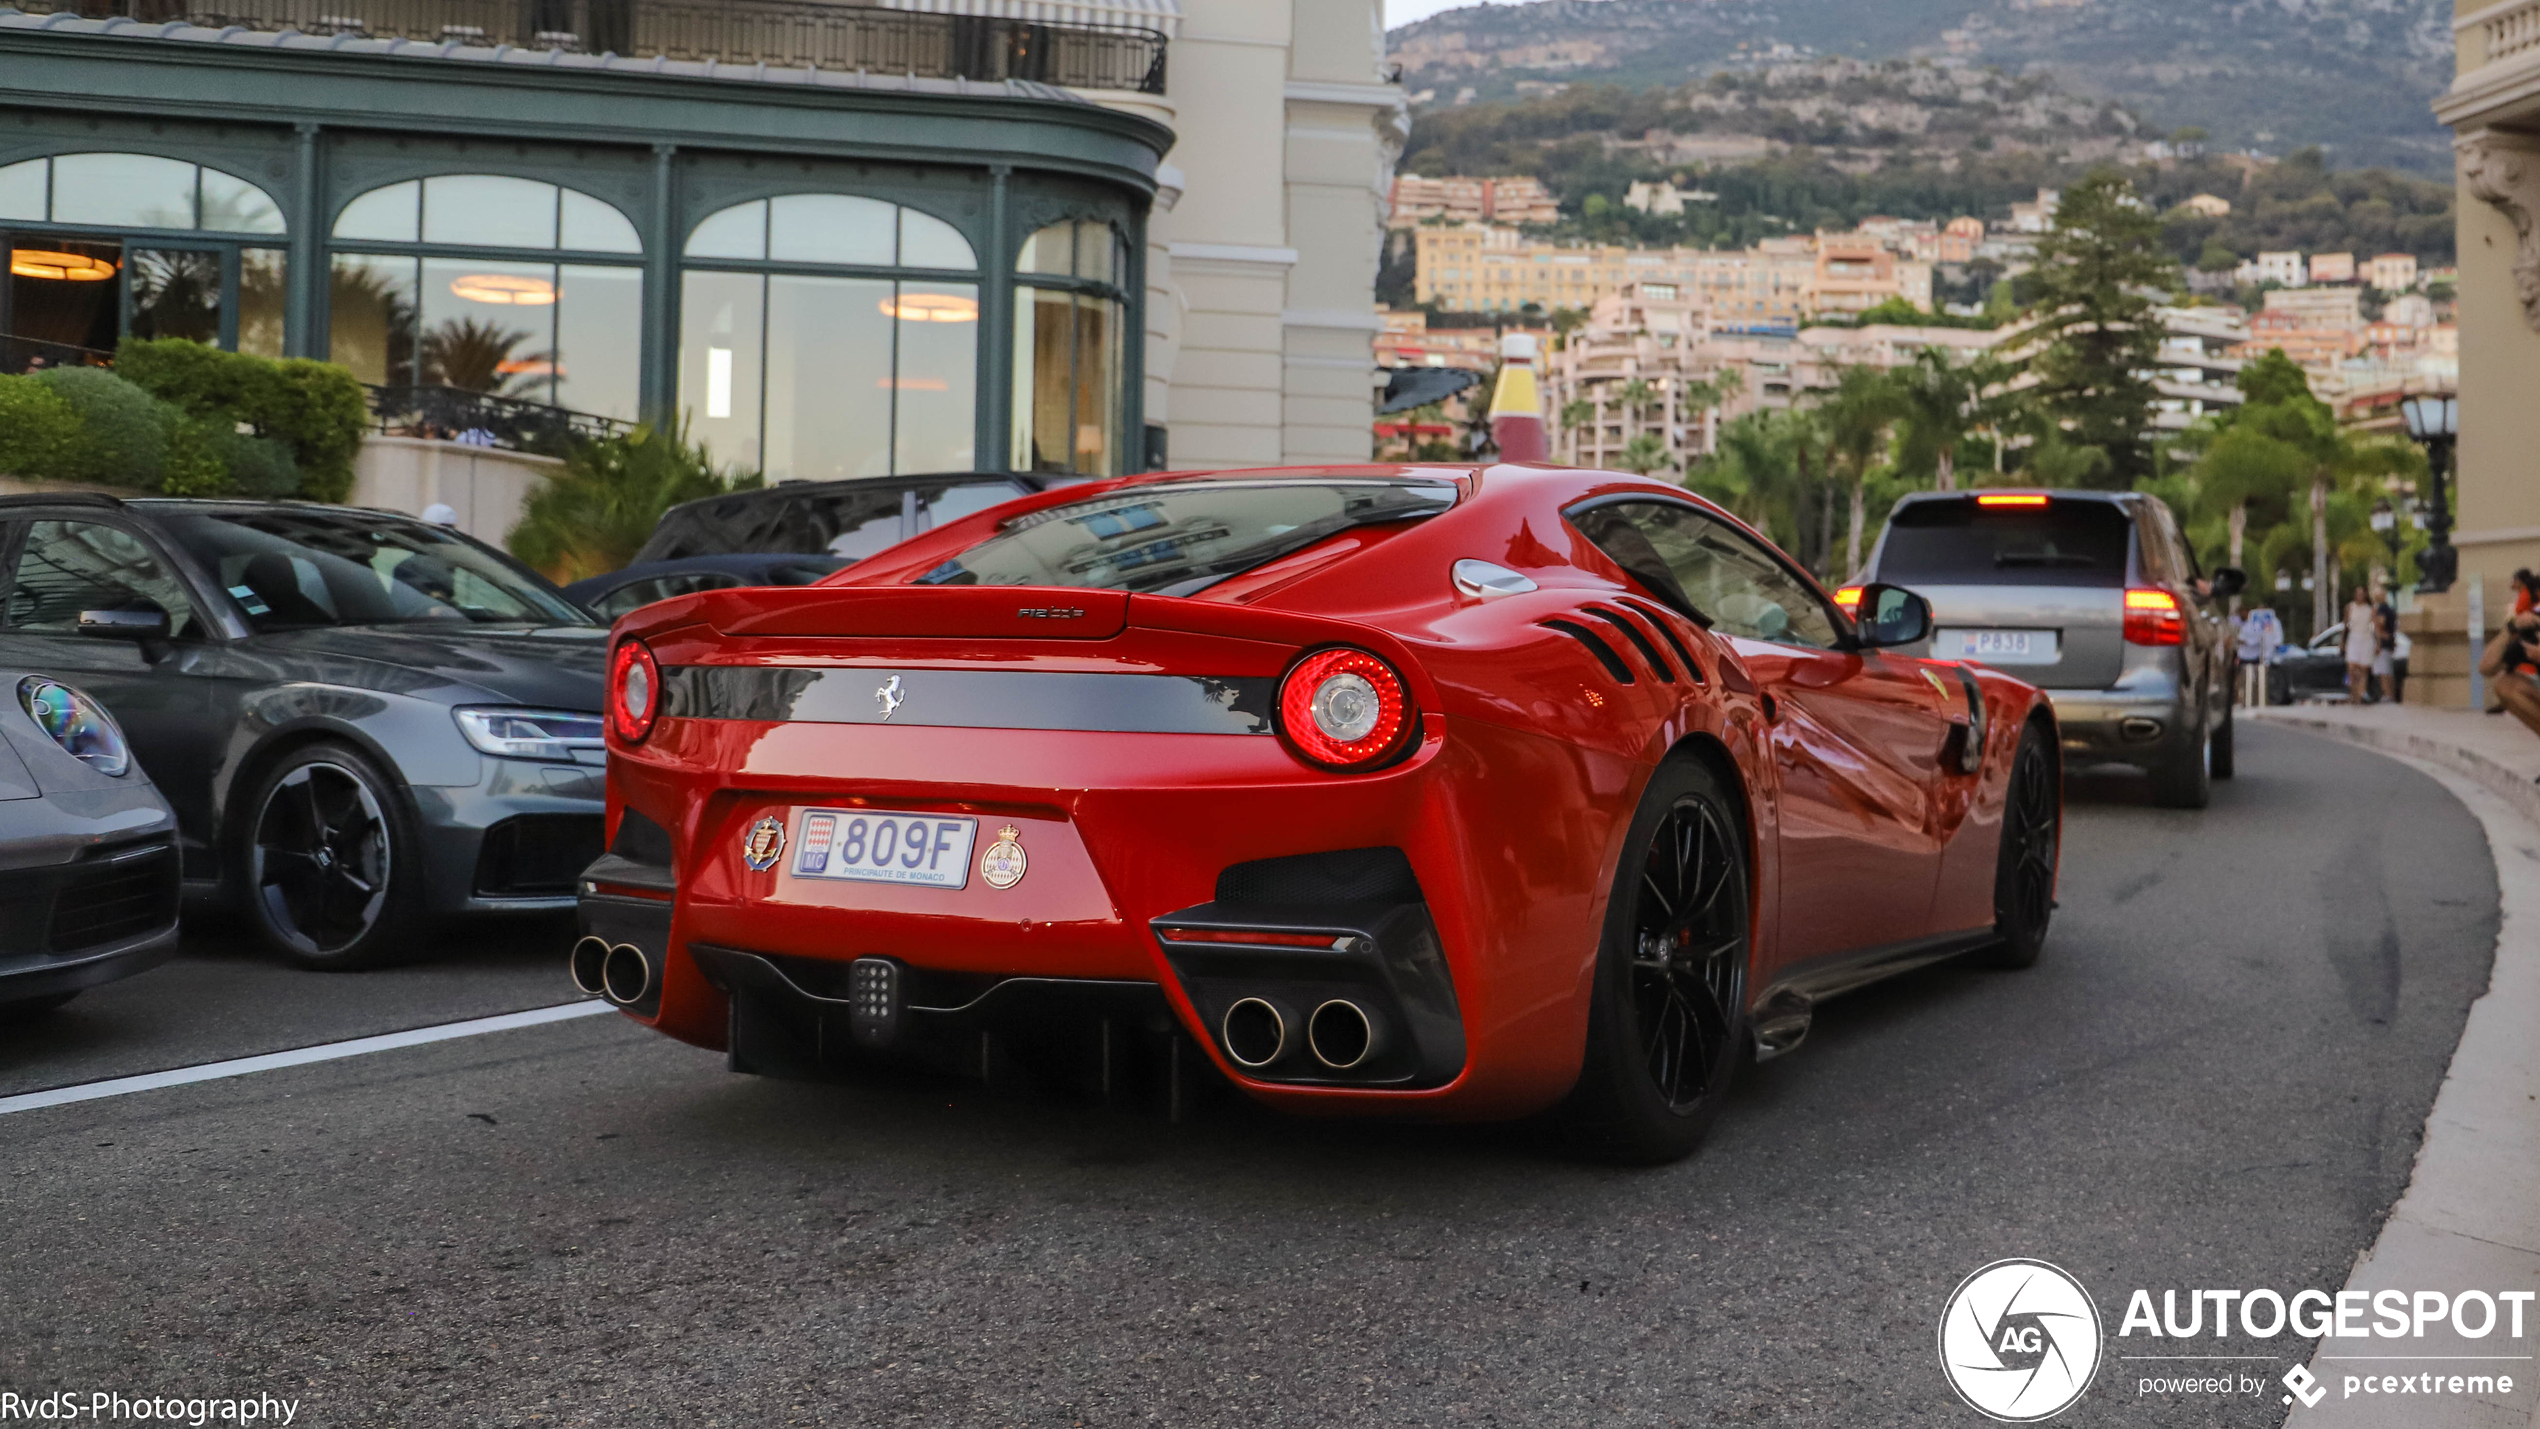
<point>2363,644</point>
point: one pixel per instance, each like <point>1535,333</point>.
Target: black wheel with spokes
<point>2024,875</point>
<point>328,860</point>
<point>1667,1022</point>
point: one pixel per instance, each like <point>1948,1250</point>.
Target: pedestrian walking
<point>2362,646</point>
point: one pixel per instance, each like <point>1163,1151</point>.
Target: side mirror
<point>142,620</point>
<point>1891,615</point>
<point>2228,581</point>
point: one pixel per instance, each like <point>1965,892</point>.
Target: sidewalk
<point>2494,751</point>
<point>2470,1218</point>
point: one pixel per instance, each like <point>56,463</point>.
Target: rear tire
<point>2187,782</point>
<point>1667,1019</point>
<point>329,867</point>
<point>2219,755</point>
<point>2024,871</point>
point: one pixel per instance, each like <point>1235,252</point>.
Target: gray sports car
<point>361,720</point>
<point>88,877</point>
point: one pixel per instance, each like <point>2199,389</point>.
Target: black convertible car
<point>360,719</point>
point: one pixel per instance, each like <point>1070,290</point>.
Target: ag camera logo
<point>2019,1341</point>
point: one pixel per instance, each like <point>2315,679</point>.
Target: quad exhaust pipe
<point>1342,1035</point>
<point>1258,1032</point>
<point>619,972</point>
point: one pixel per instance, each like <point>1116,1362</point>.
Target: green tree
<point>1860,413</point>
<point>1643,454</point>
<point>2101,273</point>
<point>595,514</point>
<point>1944,402</point>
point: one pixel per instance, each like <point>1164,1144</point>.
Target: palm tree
<point>2246,464</point>
<point>480,356</point>
<point>1643,454</point>
<point>1863,407</point>
<point>595,514</point>
<point>1944,402</point>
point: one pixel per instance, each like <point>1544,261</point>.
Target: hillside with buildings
<point>2354,77</point>
<point>1829,143</point>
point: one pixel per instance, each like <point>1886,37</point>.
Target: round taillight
<point>634,691</point>
<point>1344,709</point>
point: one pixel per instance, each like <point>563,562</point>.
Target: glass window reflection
<point>828,378</point>
<point>489,211</point>
<point>123,190</point>
<point>371,318</point>
<point>721,344</point>
<point>831,228</point>
<point>937,382</point>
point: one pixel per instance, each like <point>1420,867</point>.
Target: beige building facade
<point>2493,108</point>
<point>1262,252</point>
<point>1778,283</point>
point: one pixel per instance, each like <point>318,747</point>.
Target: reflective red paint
<point>1524,763</point>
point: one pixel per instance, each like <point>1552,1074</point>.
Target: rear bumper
<point>2145,724</point>
<point>1473,980</point>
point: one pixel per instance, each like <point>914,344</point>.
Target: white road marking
<point>301,1056</point>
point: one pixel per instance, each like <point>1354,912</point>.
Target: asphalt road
<point>2215,1078</point>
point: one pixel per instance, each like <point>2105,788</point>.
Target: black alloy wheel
<point>1687,959</point>
<point>328,861</point>
<point>1667,1023</point>
<point>2024,876</point>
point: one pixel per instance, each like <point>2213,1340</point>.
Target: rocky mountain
<point>2353,77</point>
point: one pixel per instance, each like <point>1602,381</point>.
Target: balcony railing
<point>790,33</point>
<point>455,414</point>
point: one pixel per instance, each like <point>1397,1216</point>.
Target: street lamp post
<point>2434,423</point>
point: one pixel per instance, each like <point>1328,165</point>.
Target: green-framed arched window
<point>494,284</point>
<point>1070,311</point>
<point>828,335</point>
<point>105,244</point>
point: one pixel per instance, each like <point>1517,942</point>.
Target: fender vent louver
<point>1667,631</point>
<point>1604,653</point>
<point>1631,631</point>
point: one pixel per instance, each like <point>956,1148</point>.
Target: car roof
<point>2052,493</point>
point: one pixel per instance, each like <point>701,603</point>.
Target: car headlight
<point>77,723</point>
<point>558,735</point>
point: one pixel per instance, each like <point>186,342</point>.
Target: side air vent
<point>1666,631</point>
<point>1631,631</point>
<point>1603,652</point>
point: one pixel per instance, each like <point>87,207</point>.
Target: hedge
<point>316,411</point>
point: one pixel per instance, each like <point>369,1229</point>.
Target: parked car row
<point>343,724</point>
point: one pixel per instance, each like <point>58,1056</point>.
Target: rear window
<point>853,523</point>
<point>2068,543</point>
<point>1174,538</point>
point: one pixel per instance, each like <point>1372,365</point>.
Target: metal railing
<point>34,354</point>
<point>455,414</point>
<point>790,33</point>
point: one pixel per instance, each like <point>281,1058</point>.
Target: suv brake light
<point>2152,617</point>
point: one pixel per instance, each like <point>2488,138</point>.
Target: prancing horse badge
<point>1003,864</point>
<point>889,697</point>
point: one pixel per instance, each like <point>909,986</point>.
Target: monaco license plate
<point>2005,646</point>
<point>877,846</point>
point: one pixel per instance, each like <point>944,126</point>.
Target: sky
<point>1403,12</point>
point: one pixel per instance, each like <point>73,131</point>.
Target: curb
<point>2469,1218</point>
<point>2512,786</point>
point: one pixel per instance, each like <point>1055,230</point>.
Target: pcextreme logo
<point>2019,1341</point>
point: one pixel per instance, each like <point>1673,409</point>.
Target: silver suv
<point>2095,597</point>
